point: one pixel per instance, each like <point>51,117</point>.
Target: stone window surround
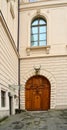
<point>39,32</point>
<point>46,48</point>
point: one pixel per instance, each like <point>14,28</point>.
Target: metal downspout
<point>18,51</point>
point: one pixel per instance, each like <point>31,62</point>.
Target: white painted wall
<point>5,6</point>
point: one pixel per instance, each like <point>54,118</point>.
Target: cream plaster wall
<point>8,59</point>
<point>9,9</point>
<point>53,57</point>
<point>8,56</point>
<point>55,70</point>
<point>56,30</point>
<point>8,70</point>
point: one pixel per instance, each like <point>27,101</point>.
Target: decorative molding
<point>37,69</point>
<point>28,14</point>
<point>41,56</point>
<point>38,11</point>
<point>8,33</point>
<point>46,48</point>
<point>7,0</point>
<point>28,51</point>
<point>12,10</point>
<point>10,0</point>
<point>48,11</point>
<point>42,5</point>
<point>22,1</point>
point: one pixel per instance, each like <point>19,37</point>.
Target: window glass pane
<point>34,37</point>
<point>42,21</point>
<point>42,29</point>
<point>2,98</point>
<point>32,0</point>
<point>42,36</point>
<point>34,43</point>
<point>38,32</point>
<point>42,43</point>
<point>35,22</point>
<point>34,30</point>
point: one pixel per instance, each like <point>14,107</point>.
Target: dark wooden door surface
<point>37,93</point>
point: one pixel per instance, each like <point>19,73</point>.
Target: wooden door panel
<point>37,93</point>
<point>46,98</point>
<point>28,105</point>
<point>37,102</point>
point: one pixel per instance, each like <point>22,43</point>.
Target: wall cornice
<point>42,5</point>
<point>2,20</point>
<point>43,56</point>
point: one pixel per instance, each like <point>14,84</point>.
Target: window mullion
<point>38,32</point>
<point>38,35</point>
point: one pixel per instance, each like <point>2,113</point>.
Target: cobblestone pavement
<point>37,120</point>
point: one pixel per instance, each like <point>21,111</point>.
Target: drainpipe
<point>18,51</point>
<point>19,80</point>
<point>18,27</point>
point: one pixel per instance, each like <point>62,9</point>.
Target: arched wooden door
<point>37,93</point>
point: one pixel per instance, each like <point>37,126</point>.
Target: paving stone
<point>44,120</point>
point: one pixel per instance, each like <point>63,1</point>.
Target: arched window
<point>39,32</point>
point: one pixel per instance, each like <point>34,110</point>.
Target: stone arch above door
<point>47,75</point>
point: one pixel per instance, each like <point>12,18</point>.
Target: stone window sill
<point>46,48</point>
